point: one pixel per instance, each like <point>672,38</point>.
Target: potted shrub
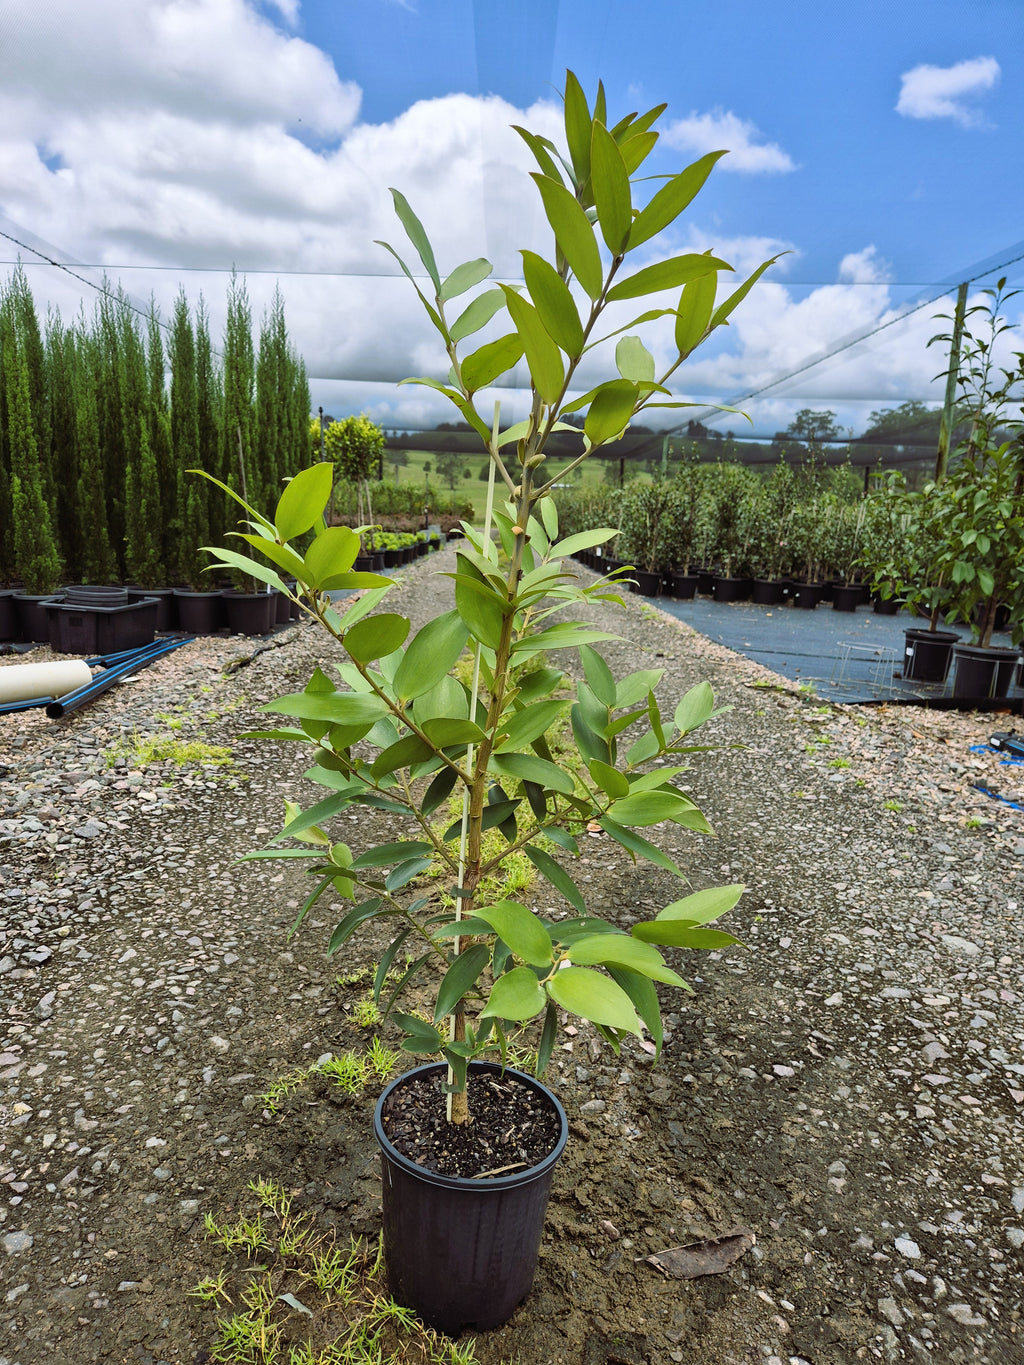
<point>847,523</point>
<point>649,517</point>
<point>685,531</point>
<point>391,729</point>
<point>730,526</point>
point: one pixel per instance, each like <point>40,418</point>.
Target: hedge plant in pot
<point>649,515</point>
<point>730,528</point>
<point>847,529</point>
<point>392,729</point>
<point>685,538</point>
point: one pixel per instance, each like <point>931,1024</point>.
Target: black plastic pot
<point>462,1253</point>
<point>98,627</point>
<point>30,616</point>
<point>885,606</point>
<point>928,653</point>
<point>646,583</point>
<point>705,582</point>
<point>392,559</point>
<point>282,608</point>
<point>983,672</point>
<point>250,613</point>
<point>8,619</point>
<point>768,592</point>
<point>806,595</point>
<point>199,613</point>
<point>684,586</point>
<point>730,589</point>
<point>167,607</point>
<point>846,596</point>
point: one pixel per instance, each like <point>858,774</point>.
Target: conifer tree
<point>109,378</point>
<point>159,436</point>
<point>93,554</point>
<point>190,491</point>
<point>239,379</point>
<point>209,407</point>
<point>36,559</point>
<point>142,552</point>
<point>61,361</point>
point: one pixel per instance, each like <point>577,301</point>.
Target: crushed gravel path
<point>850,1086</point>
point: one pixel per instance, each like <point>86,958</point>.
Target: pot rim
<point>998,652</point>
<point>468,1184</point>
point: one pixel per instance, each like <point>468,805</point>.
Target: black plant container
<point>167,608</point>
<point>103,626</point>
<point>30,616</point>
<point>199,613</point>
<point>684,586</point>
<point>927,655</point>
<point>768,592</point>
<point>646,583</point>
<point>981,673</point>
<point>885,606</point>
<point>806,595</point>
<point>250,613</point>
<point>462,1253</point>
<point>846,596</point>
<point>8,619</point>
<point>730,589</point>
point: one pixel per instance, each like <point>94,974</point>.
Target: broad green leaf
<point>577,128</point>
<point>366,910</point>
<point>333,552</point>
<point>611,410</point>
<point>300,821</point>
<point>590,742</point>
<point>415,233</point>
<point>282,555</point>
<point>695,708</point>
<point>491,360</point>
<point>338,708</point>
<point>384,855</point>
<point>438,792</point>
<point>678,934</point>
<point>406,872</point>
<point>666,275</point>
<point>633,360</point>
<point>530,768</point>
<point>420,1037</point>
<point>644,996</point>
<point>522,727</point>
<point>554,303</point>
<point>521,930</point>
<point>557,876</point>
<point>635,150</point>
<point>470,927</point>
<point>477,314</point>
<point>433,651</point>
<point>446,699</point>
<point>479,605</point>
<point>574,235</point>
<point>598,675</point>
<point>583,540</point>
<point>610,182</point>
<point>538,683</point>
<point>446,731</point>
<point>464,277</point>
<point>671,200</point>
<point>302,503</point>
<point>517,995</point>
<point>593,996</point>
<point>542,353</point>
<point>496,814</point>
<point>635,686</point>
<point>696,304</point>
<point>609,779</point>
<point>539,147</point>
<point>563,839</point>
<point>459,978</point>
<point>252,567</point>
<point>431,311</point>
<point>637,844</point>
<point>565,635</point>
<point>703,906</point>
<point>376,636</point>
<point>624,951</point>
<point>649,808</point>
<point>723,310</point>
<point>402,754</point>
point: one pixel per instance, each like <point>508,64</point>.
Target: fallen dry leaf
<point>709,1257</point>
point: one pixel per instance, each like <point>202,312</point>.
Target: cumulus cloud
<point>948,91</point>
<point>748,153</point>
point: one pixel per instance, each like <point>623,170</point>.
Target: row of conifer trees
<point>101,418</point>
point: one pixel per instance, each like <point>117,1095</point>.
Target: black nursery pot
<point>983,672</point>
<point>846,596</point>
<point>645,583</point>
<point>460,1252</point>
<point>927,655</point>
<point>199,613</point>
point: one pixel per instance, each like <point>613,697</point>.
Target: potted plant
<point>649,516</point>
<point>402,735</point>
<point>730,526</point>
<point>847,529</point>
<point>685,532</point>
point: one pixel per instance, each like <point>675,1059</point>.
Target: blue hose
<point>62,706</point>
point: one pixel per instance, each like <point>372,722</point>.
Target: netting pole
<point>949,407</point>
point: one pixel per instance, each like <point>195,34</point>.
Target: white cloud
<point>946,91</point>
<point>748,154</point>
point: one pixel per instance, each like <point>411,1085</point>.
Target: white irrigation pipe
<point>24,682</point>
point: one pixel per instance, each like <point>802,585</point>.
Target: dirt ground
<point>849,1086</point>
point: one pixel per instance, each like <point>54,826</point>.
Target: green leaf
<point>548,1034</point>
<point>703,906</point>
<point>477,314</point>
<point>566,635</point>
<point>563,839</point>
<point>583,540</point>
<point>666,275</point>
<point>445,732</point>
<point>577,128</point>
<point>722,312</point>
<point>610,181</point>
<point>539,147</point>
<point>406,872</point>
<point>609,779</point>
<point>419,1035</point>
<point>433,651</point>
<point>635,687</point>
<point>376,636</point>
<point>282,555</point>
<point>555,305</point>
<point>338,708</point>
<point>333,552</point>
<point>517,995</point>
<point>671,200</point>
<point>303,501</point>
<point>249,566</point>
<point>521,930</point>
<point>387,957</point>
<point>574,235</point>
<point>464,277</point>
<point>591,744</point>
<point>366,910</point>
<point>696,304</point>
<point>542,354</point>
<point>484,365</point>
<point>695,708</point>
<point>402,754</point>
<point>414,231</point>
<point>611,410</point>
<point>557,876</point>
<point>479,605</point>
<point>679,934</point>
<point>647,808</point>
<point>635,150</point>
<point>459,978</point>
<point>633,360</point>
<point>637,844</point>
<point>438,791</point>
<point>530,768</point>
<point>470,927</point>
<point>624,951</point>
<point>593,996</point>
<point>299,821</point>
<point>598,675</point>
<point>384,855</point>
<point>523,727</point>
<point>644,996</point>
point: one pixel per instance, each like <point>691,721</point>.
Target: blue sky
<point>171,139</point>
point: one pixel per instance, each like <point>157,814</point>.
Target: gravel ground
<point>850,1086</point>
